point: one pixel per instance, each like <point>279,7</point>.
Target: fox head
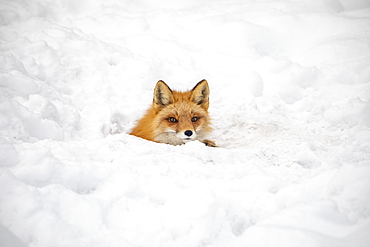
<point>180,117</point>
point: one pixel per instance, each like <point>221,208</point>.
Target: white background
<point>290,92</point>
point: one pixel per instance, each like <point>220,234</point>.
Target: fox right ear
<point>163,95</point>
<point>200,94</point>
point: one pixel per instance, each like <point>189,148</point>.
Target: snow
<point>290,103</point>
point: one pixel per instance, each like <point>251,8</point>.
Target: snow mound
<point>290,107</point>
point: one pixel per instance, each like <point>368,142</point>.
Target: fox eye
<point>194,119</point>
<point>172,120</point>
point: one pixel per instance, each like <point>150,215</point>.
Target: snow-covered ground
<point>290,102</point>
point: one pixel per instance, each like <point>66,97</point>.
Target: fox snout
<point>187,135</point>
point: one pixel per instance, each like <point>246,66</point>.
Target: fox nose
<point>188,133</point>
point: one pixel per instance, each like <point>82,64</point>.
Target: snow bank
<point>290,93</point>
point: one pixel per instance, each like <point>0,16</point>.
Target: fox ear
<point>200,94</point>
<point>163,95</point>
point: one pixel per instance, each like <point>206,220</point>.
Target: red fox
<point>177,117</point>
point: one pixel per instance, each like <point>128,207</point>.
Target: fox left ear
<point>200,94</point>
<point>163,95</point>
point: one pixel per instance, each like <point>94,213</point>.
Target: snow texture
<point>290,103</point>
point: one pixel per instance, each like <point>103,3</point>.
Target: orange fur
<point>176,117</point>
